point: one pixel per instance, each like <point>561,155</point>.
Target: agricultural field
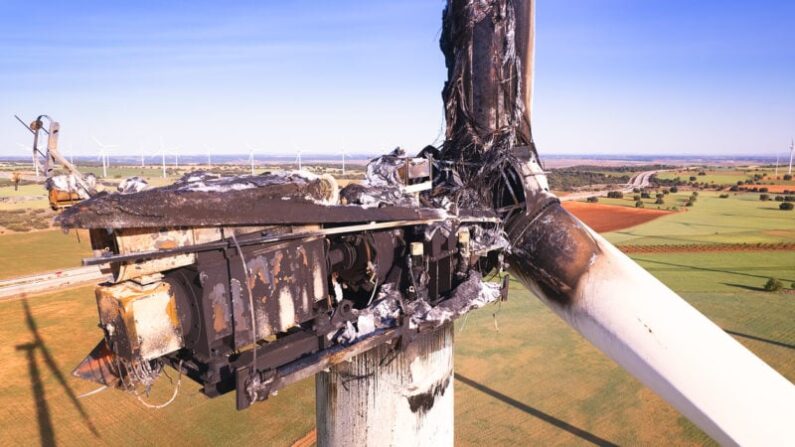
<point>41,251</point>
<point>729,176</point>
<point>739,219</point>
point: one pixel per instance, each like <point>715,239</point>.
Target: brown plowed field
<point>775,189</point>
<point>604,218</point>
<point>700,248</point>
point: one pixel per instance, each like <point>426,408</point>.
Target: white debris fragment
<point>132,185</point>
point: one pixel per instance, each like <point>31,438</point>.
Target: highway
<point>639,180</point>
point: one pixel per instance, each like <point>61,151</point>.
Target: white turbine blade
<point>635,319</point>
<point>646,328</point>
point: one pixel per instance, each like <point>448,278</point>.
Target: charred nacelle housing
<point>255,307</point>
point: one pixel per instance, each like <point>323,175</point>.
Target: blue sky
<point>612,76</point>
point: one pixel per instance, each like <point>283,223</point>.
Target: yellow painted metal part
<point>141,321</point>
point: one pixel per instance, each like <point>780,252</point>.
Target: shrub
<point>692,179</point>
<point>675,208</point>
<point>763,189</point>
<point>779,198</point>
<point>724,196</point>
<point>645,195</point>
<point>638,204</point>
<point>635,189</point>
<point>659,201</point>
<point>764,197</point>
<point>695,193</point>
<point>789,198</point>
<point>592,199</point>
<point>690,202</point>
<point>665,191</point>
<point>734,188</point>
<point>674,189</point>
<point>787,176</point>
<point>702,173</point>
<point>773,285</point>
<point>786,206</point>
<point>615,195</point>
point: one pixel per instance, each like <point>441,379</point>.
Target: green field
<point>727,176</point>
<point>29,253</point>
<point>523,377</point>
<point>741,218</point>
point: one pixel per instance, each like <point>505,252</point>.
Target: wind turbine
<point>103,155</point>
<point>35,159</point>
<point>163,156</point>
<point>141,149</point>
<point>209,156</point>
<point>791,151</point>
<point>298,158</point>
<point>343,161</point>
<point>251,157</point>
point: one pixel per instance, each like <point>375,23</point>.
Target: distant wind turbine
<point>298,158</point>
<point>103,155</point>
<point>163,156</point>
<point>141,149</point>
<point>209,156</point>
<point>344,153</point>
<point>791,151</point>
<point>251,157</point>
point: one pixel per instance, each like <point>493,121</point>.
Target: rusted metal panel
<point>139,240</point>
<point>286,280</point>
<point>141,321</point>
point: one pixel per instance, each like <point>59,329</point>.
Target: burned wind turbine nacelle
<point>251,283</point>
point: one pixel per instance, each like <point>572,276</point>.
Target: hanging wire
<point>168,402</point>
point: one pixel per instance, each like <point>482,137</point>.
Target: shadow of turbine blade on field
<point>706,269</point>
<point>46,431</point>
<point>763,340</point>
<point>563,425</point>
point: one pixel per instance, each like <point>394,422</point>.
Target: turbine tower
<point>103,155</point>
<point>163,156</point>
<point>791,151</point>
<point>209,156</point>
<point>298,158</point>
<point>343,161</point>
<point>251,150</point>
